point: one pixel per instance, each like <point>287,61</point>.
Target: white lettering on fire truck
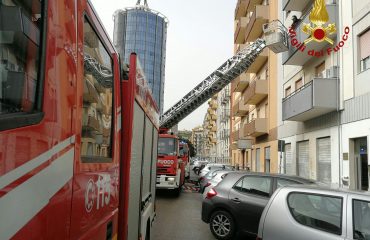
<point>98,192</point>
<point>165,162</point>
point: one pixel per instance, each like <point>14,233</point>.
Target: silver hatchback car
<point>312,212</point>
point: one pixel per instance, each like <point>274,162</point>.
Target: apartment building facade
<point>254,93</point>
<point>210,130</point>
<point>197,140</point>
<point>324,100</point>
<point>223,126</point>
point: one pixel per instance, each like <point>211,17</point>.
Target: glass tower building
<point>144,31</point>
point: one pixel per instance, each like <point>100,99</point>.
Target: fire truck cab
<point>169,164</point>
<point>78,143</point>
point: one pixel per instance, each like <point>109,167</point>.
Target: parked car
<point>237,202</point>
<point>198,165</point>
<point>204,180</point>
<point>212,166</point>
<point>316,212</point>
<point>218,176</point>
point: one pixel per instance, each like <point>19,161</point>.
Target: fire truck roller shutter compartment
<point>134,211</point>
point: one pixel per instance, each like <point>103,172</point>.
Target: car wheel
<point>222,225</point>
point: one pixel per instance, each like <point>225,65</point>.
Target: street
<point>180,217</point>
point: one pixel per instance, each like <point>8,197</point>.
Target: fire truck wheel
<point>222,225</point>
<point>177,191</point>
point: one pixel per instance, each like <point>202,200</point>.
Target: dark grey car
<point>237,202</point>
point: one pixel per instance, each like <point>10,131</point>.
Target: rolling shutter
<point>258,159</point>
<point>303,159</point>
<point>289,160</point>
<point>324,160</point>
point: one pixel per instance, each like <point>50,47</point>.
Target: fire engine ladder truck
<point>275,38</point>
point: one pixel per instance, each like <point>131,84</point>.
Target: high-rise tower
<point>144,31</point>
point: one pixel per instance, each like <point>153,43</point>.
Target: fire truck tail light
<point>211,193</point>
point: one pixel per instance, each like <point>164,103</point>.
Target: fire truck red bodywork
<point>46,190</point>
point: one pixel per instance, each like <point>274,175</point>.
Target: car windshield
<point>167,146</point>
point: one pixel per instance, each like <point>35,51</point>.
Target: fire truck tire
<point>177,191</point>
<point>147,234</point>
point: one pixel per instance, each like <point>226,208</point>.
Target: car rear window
<point>254,185</point>
<point>317,211</point>
<point>284,182</point>
<point>361,220</point>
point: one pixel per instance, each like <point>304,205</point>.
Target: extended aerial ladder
<point>275,38</point>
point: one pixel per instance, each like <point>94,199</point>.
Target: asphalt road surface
<point>179,218</point>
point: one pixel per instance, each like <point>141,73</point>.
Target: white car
<point>316,212</point>
<point>216,178</point>
<point>210,166</point>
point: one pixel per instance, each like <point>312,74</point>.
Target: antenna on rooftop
<point>145,3</point>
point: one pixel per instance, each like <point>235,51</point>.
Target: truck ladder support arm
<point>214,83</point>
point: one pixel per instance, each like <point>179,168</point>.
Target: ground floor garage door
<point>303,159</point>
<point>324,160</point>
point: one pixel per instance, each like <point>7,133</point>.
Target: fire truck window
<point>20,30</point>
<point>97,99</point>
<point>167,146</point>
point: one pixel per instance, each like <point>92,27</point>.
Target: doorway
<point>362,164</point>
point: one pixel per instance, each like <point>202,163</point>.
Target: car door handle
<point>236,200</point>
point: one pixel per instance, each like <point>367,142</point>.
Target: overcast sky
<point>199,40</point>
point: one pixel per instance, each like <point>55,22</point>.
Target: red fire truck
<point>170,168</point>
<point>78,142</point>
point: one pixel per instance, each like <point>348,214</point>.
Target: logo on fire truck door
<point>98,193</point>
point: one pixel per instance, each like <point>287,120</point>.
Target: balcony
<point>225,96</point>
<point>225,116</point>
<point>245,144</point>
<point>256,128</point>
<point>241,8</point>
<point>240,109</point>
<point>259,62</point>
<point>241,82</point>
<point>213,104</point>
<point>214,129</point>
<point>235,136</point>
<point>239,47</point>
<point>316,98</point>
<point>240,30</point>
<point>295,5</point>
<point>297,57</point>
<point>259,17</point>
<point>256,92</point>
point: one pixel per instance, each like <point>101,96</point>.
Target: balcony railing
<point>240,30</point>
<point>225,115</point>
<point>256,128</point>
<point>316,98</point>
<point>300,57</point>
<point>256,92</point>
<point>241,82</point>
<point>240,109</point>
<point>259,62</point>
<point>259,17</point>
<point>296,5</point>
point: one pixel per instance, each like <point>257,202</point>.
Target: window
<point>167,146</point>
<point>267,159</point>
<point>317,211</point>
<point>361,220</point>
<point>288,91</point>
<point>320,70</point>
<point>298,84</point>
<point>97,100</point>
<point>254,185</point>
<point>280,182</point>
<point>365,50</point>
<point>20,61</point>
